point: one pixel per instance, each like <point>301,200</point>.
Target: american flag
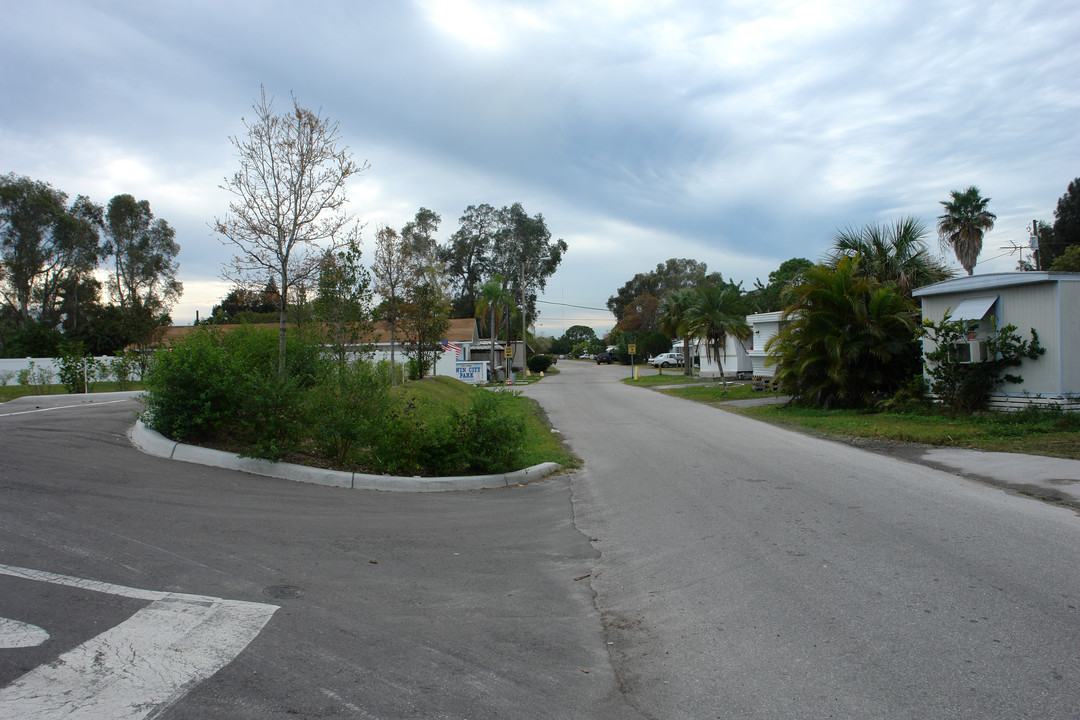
<point>448,346</point>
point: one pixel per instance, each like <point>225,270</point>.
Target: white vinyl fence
<point>49,368</point>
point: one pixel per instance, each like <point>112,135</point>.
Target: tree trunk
<point>507,360</point>
<point>393,369</point>
<point>283,323</point>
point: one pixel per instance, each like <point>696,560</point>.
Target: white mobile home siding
<point>764,326</point>
<point>1019,306</point>
<point>735,359</point>
<point>1069,348</point>
<point>1047,302</point>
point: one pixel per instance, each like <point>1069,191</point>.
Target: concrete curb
<point>153,443</point>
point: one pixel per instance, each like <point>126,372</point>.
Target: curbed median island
<point>217,392</point>
<point>154,443</point>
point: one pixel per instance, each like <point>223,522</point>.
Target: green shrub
<point>420,438</point>
<point>72,362</point>
<point>909,398</point>
<point>38,378</point>
<point>398,369</point>
<point>191,386</point>
<point>849,340</point>
<point>122,367</point>
<point>255,349</point>
<point>417,438</point>
<point>79,372</point>
<point>269,415</point>
<point>349,406</point>
<point>210,382</point>
<point>490,434</point>
<point>214,385</point>
<point>964,387</point>
<point>539,363</point>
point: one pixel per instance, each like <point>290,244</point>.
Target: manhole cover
<point>283,592</point>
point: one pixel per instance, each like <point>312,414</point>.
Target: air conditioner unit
<point>969,351</point>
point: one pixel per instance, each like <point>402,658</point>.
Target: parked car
<point>605,358</point>
<point>667,359</point>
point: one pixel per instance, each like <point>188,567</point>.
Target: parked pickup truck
<point>667,359</point>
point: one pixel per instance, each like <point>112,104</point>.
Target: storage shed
<point>1049,302</point>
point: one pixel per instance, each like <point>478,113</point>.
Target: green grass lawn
<point>648,377</point>
<point>1034,433</point>
<point>1053,434</point>
<point>10,392</point>
<point>541,444</point>
<point>718,393</point>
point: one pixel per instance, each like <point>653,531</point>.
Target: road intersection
<point>700,565</point>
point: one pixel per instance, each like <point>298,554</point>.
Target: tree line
<point>1058,243</point>
<point>853,330</point>
<point>50,250</point>
<point>287,222</point>
<point>413,284</point>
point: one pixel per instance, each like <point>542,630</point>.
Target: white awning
<point>973,308</point>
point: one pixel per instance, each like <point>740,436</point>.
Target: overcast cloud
<point>740,134</point>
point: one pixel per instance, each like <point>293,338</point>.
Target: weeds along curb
<point>153,443</point>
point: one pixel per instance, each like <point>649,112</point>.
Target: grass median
<point>541,443</point>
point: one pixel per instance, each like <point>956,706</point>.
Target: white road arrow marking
<point>17,634</point>
<point>142,665</point>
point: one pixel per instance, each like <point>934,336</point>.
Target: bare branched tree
<point>393,269</point>
<point>290,197</point>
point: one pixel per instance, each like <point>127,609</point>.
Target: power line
<point>583,307</point>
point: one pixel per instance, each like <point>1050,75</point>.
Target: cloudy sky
<point>738,133</point>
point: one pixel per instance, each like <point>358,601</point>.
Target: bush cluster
<point>539,363</point>
<point>964,387</point>
<point>225,388</point>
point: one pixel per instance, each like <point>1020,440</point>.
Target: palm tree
<point>849,339</point>
<point>673,315</point>
<point>963,225</point>
<point>493,297</point>
<point>893,253</point>
<point>717,311</point>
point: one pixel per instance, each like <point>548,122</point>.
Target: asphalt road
<point>700,565</point>
<point>171,590</point>
<point>750,572</point>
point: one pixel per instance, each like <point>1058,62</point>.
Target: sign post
<point>508,353</point>
<point>632,348</point>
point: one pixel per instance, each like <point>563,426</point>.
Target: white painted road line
<point>141,666</point>
<point>60,407</point>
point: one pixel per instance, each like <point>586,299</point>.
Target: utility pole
<point>1035,244</point>
<point>524,344</point>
